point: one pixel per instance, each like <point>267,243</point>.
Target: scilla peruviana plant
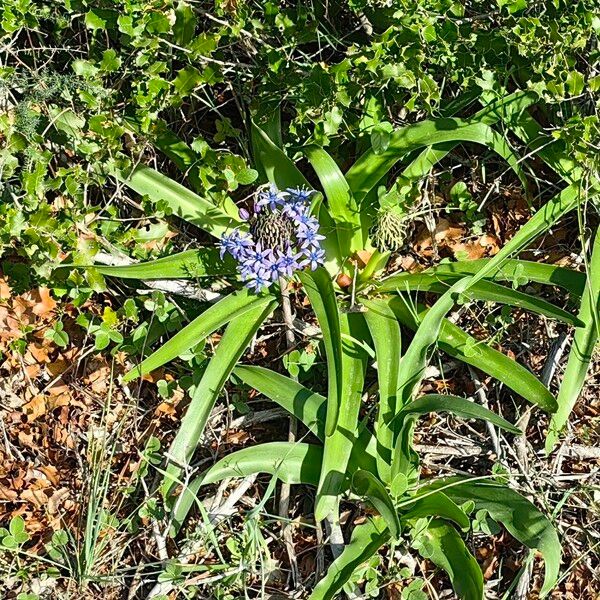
<point>342,210</point>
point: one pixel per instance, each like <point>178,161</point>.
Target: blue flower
<point>257,283</point>
<point>287,262</point>
<point>299,194</point>
<point>235,243</point>
<point>271,198</point>
<point>284,238</point>
<point>314,258</point>
<point>310,238</point>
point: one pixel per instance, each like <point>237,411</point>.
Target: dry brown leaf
<point>36,497</point>
<point>57,499</point>
<point>46,303</point>
<point>5,291</point>
<point>7,494</point>
<point>35,408</point>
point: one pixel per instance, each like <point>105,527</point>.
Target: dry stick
<point>284,497</point>
<point>480,391</point>
<point>521,447</point>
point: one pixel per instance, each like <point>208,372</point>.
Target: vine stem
<point>284,496</point>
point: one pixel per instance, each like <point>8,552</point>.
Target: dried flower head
<point>390,230</point>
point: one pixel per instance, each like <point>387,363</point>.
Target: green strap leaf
<point>370,168</point>
<point>446,549</point>
<point>464,347</point>
<point>385,333</point>
<point>235,340</point>
<point>193,333</point>
<point>406,460</point>
<point>273,162</point>
<point>491,114</point>
<point>414,361</point>
<point>457,406</point>
<point>184,203</point>
<point>191,264</point>
<point>366,484</point>
<point>306,405</point>
<point>582,349</point>
<point>489,291</point>
<point>435,504</point>
<point>294,463</point>
<point>320,292</point>
<point>512,270</point>
<point>309,407</point>
<point>549,149</point>
<point>365,541</point>
<point>520,517</point>
<point>342,206</point>
<point>338,445</point>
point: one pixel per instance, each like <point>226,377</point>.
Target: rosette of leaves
<point>345,210</point>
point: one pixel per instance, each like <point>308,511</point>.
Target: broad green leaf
<point>446,549</point>
<point>228,308</point>
<point>338,446</point>
<point>457,406</point>
<point>406,460</point>
<point>366,484</point>
<point>321,294</point>
<point>489,291</point>
<point>512,270</point>
<point>309,407</point>
<point>342,206</point>
<point>370,168</point>
<point>365,541</point>
<point>191,264</point>
<point>436,505</point>
<point>235,340</point>
<point>385,333</point>
<point>334,259</point>
<point>183,202</point>
<point>464,347</point>
<point>520,517</point>
<point>273,162</point>
<point>293,463</point>
<point>495,111</point>
<point>582,349</point>
<point>185,24</point>
<point>551,150</point>
<point>306,405</point>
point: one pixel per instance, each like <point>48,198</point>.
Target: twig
<point>521,448</point>
<point>480,391</point>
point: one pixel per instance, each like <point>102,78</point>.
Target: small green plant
<point>15,536</point>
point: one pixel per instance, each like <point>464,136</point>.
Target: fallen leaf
<point>46,303</point>
<point>35,408</point>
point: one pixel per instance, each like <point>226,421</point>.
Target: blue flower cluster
<point>283,238</point>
